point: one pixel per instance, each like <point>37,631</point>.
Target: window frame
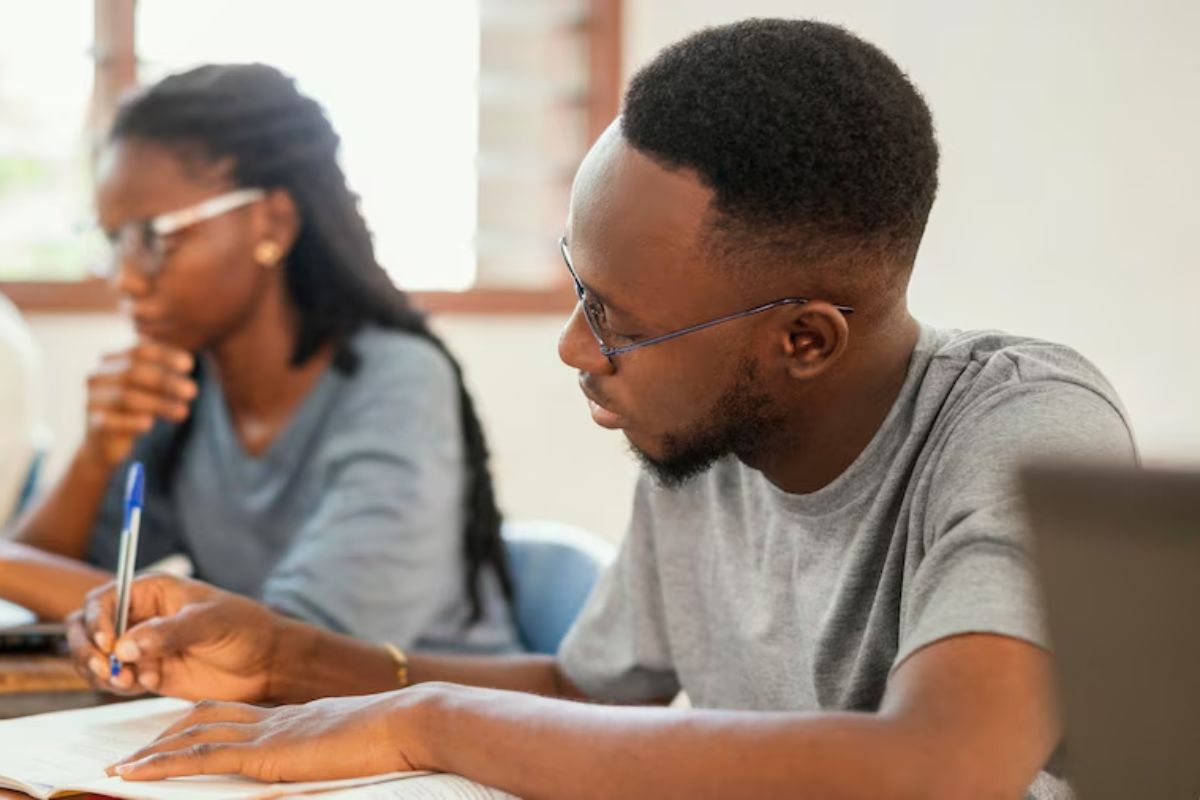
<point>115,55</point>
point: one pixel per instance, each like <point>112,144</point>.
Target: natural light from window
<point>45,195</point>
<point>401,87</point>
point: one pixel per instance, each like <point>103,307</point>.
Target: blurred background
<point>1068,186</point>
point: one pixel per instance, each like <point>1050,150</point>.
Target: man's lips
<point>601,414</point>
<point>603,417</point>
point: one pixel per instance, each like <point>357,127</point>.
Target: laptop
<point>1118,552</point>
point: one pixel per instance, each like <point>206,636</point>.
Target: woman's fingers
<point>136,402</point>
<point>130,388</point>
<point>120,423</point>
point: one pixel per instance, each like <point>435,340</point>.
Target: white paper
<point>69,750</point>
<point>423,787</point>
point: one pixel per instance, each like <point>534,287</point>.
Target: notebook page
<point>422,787</point>
<point>70,749</point>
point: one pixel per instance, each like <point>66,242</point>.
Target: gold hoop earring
<point>267,253</point>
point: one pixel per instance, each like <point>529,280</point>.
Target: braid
<point>278,138</point>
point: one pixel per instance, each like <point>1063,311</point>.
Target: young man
<point>826,552</point>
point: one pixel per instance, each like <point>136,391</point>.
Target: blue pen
<point>127,557</point>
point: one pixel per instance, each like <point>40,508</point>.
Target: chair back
<point>554,568</point>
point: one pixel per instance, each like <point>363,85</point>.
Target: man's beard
<point>739,422</point>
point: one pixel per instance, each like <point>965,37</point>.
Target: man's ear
<point>814,337</point>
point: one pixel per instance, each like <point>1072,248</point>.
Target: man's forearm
<point>534,674</point>
<point>539,747</point>
<point>312,662</point>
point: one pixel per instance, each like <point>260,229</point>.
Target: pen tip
<point>114,667</point>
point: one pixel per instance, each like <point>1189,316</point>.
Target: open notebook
<point>54,755</point>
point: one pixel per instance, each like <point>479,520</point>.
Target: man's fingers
<point>187,746</point>
<point>98,619</point>
<point>151,596</point>
<point>203,758</point>
<point>207,733</point>
<point>154,594</point>
<point>95,668</point>
<point>93,664</point>
<point>149,678</point>
<point>82,649</point>
<point>125,681</point>
<point>212,712</point>
<point>163,637</point>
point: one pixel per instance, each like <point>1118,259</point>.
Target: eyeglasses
<point>596,315</point>
<point>144,242</point>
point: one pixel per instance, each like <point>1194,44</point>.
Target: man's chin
<point>671,470</point>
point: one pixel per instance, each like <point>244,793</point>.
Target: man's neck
<point>827,430</point>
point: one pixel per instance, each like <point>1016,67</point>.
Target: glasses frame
<point>609,352</point>
<point>147,235</point>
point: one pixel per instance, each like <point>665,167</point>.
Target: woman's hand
<point>186,639</point>
<point>339,737</point>
<point>128,391</point>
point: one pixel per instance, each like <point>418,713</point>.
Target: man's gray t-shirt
<point>748,597</point>
<point>352,518</point>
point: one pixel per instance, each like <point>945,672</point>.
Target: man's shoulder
<point>985,385</point>
<point>978,362</point>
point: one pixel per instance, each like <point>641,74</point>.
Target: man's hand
<point>186,639</point>
<point>341,737</point>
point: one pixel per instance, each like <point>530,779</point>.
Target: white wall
<point>1069,133</point>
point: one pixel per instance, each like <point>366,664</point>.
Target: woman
<point>307,439</point>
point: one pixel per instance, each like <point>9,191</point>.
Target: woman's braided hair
<point>275,137</point>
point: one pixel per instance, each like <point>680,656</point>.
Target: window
<point>483,106</point>
<point>45,86</point>
<point>401,93</point>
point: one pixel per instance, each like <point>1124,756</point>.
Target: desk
<point>36,684</point>
<point>38,673</point>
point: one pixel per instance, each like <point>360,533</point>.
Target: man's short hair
<point>814,143</point>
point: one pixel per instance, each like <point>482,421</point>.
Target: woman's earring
<point>267,253</point>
